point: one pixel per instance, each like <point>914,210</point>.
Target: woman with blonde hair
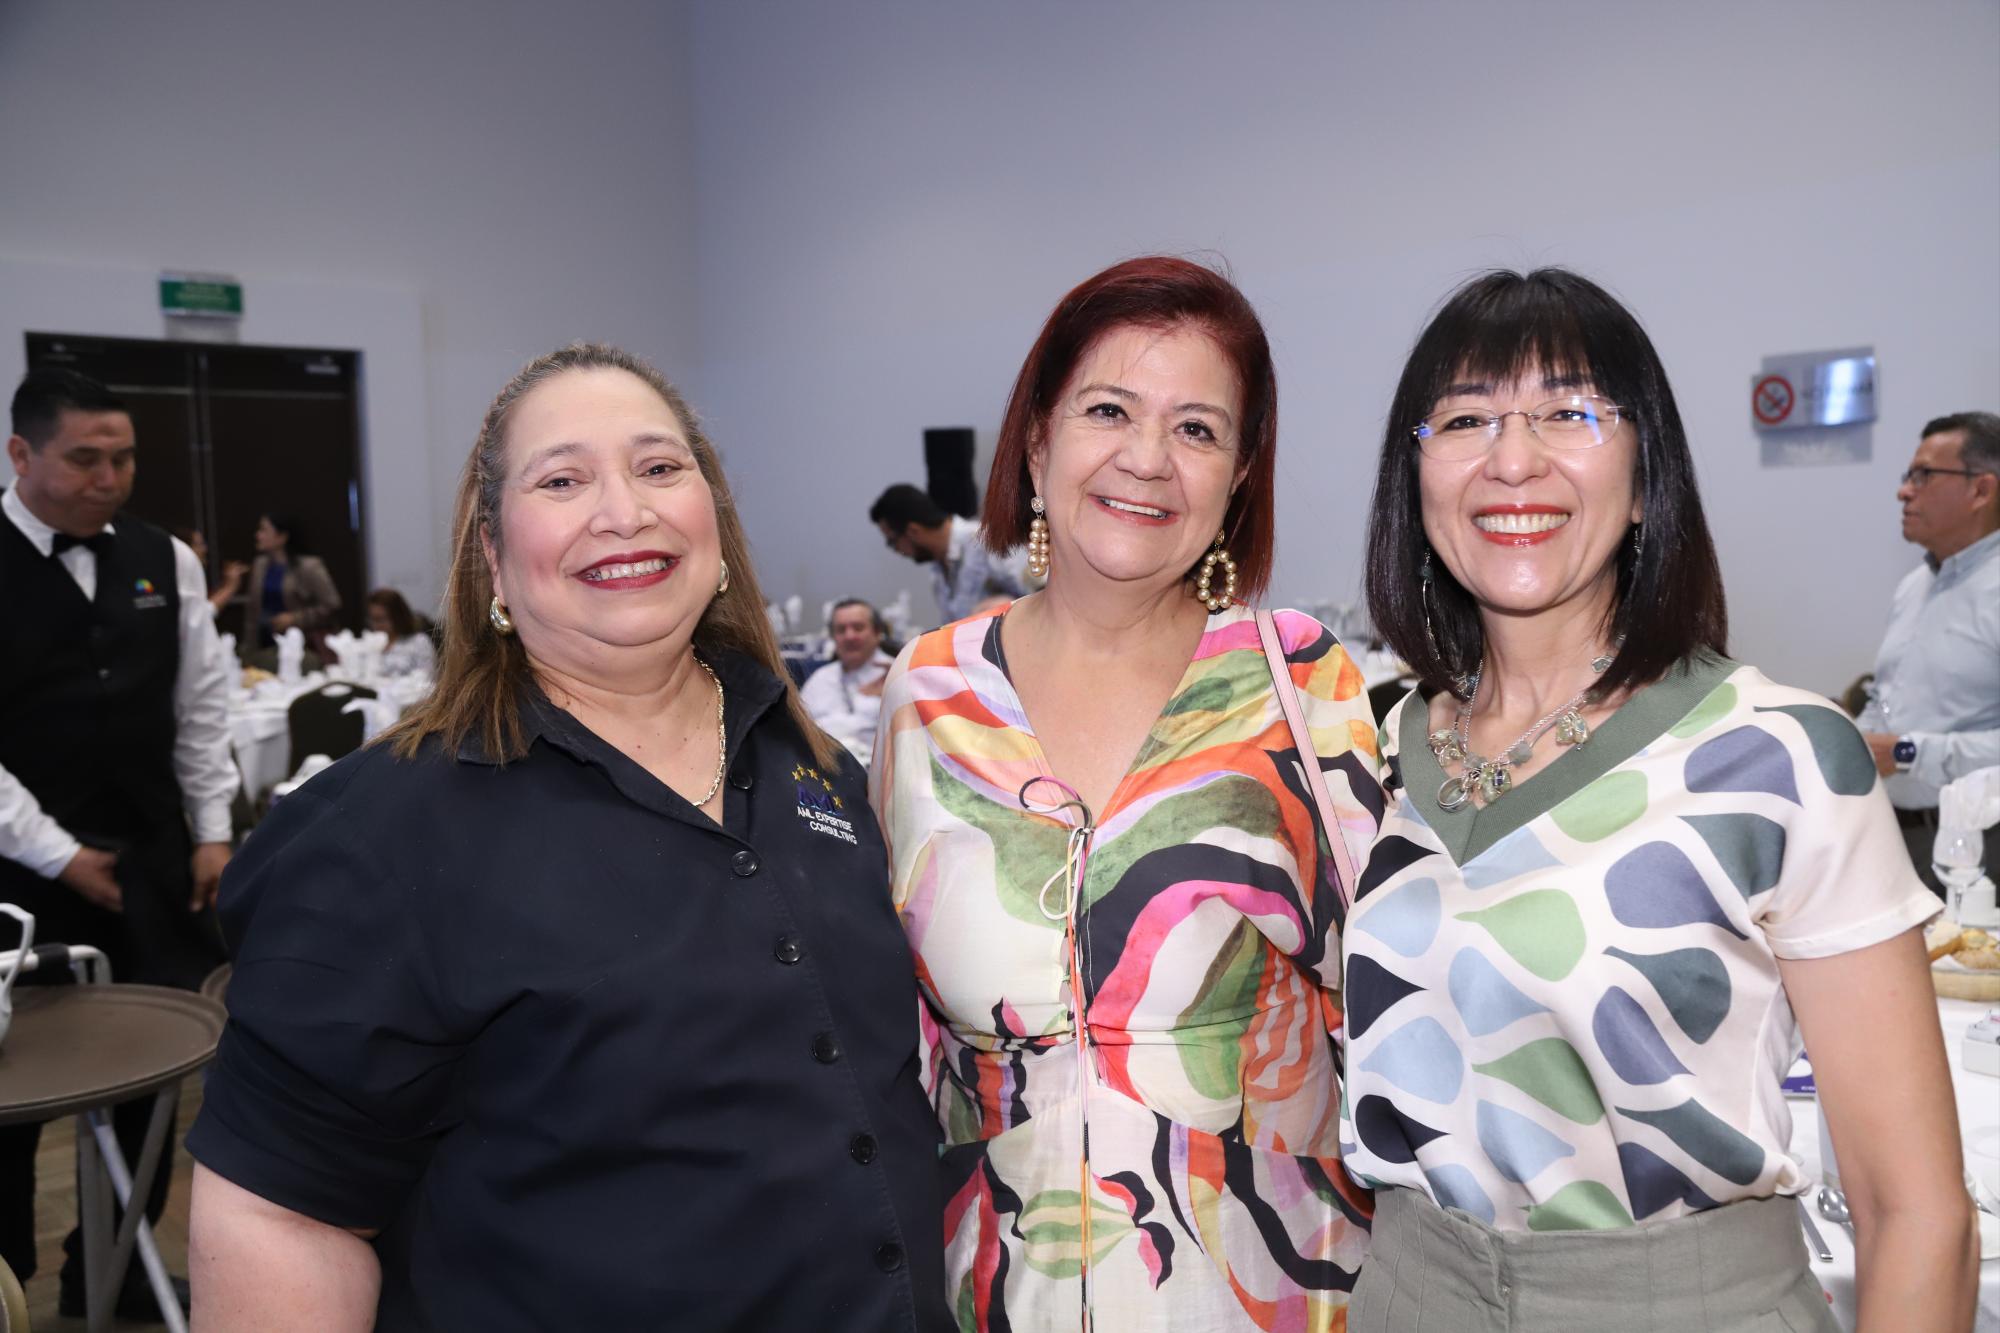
<point>579,1002</point>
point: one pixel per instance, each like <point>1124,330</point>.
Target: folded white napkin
<point>291,655</point>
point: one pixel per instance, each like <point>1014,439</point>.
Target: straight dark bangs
<point>1499,328</point>
<point>1545,326</point>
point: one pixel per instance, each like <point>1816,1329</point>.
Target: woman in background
<point>1123,905</point>
<point>287,589</point>
<point>409,651</point>
<point>1619,876</point>
<point>230,584</point>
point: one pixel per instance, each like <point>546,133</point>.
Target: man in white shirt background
<point>845,695</point>
<point>1934,710</point>
<point>115,770</point>
<point>963,572</point>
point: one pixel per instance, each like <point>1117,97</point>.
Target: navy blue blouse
<point>587,1059</point>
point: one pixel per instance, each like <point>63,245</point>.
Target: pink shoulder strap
<point>1288,699</point>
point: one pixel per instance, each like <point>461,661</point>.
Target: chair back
<point>319,725</point>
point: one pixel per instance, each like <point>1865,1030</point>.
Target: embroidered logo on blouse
<point>147,599</point>
<point>819,807</point>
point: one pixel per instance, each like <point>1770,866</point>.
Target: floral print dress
<point>1177,1167</point>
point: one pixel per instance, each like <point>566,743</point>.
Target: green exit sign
<point>203,294</point>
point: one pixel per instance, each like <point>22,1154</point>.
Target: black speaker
<point>948,469</point>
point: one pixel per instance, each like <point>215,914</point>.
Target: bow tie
<point>98,542</point>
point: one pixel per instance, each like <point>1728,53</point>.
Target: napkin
<point>343,647</point>
<point>1966,806</point>
<point>372,645</point>
<point>377,716</point>
<point>291,655</point>
<point>1971,802</point>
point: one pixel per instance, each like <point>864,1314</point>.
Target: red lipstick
<point>623,581</point>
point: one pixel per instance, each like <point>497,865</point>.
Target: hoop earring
<point>723,586</point>
<point>497,613</point>
<point>1227,597</point>
<point>1038,540</point>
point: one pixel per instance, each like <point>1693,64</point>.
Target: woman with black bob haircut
<point>1669,581</point>
<point>1620,875</point>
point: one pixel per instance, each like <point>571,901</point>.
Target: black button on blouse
<point>524,1018</point>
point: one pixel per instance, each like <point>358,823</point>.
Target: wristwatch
<point>1904,754</point>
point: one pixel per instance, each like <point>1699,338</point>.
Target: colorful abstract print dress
<point>1564,1010</point>
<point>1177,1170</point>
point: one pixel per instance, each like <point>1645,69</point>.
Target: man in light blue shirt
<point>1935,711</point>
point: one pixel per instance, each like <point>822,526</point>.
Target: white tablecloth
<point>1979,1124</point>
<point>260,731</point>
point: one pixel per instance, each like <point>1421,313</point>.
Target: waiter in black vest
<point>115,770</point>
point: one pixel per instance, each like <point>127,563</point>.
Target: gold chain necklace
<point>721,738</point>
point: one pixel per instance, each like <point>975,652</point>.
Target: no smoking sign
<point>1806,391</point>
<point>1772,399</point>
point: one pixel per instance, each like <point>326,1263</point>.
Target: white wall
<point>461,187</point>
<point>892,197</point>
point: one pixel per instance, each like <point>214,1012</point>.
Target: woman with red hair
<point>1109,857</point>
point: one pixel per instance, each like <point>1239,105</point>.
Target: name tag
<point>145,597</point>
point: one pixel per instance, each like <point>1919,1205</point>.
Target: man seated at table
<point>845,695</point>
<point>115,772</point>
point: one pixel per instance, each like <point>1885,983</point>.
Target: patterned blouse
<point>1564,1010</point>
<point>1177,1169</point>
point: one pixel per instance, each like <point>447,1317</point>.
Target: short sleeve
<point>335,1074</point>
<point>1844,880</point>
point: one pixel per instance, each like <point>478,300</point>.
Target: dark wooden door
<point>229,433</point>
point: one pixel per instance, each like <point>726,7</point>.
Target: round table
<point>1978,1097</point>
<point>79,1050</point>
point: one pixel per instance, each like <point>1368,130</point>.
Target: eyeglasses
<point>1579,421</point>
<point>1919,477</point>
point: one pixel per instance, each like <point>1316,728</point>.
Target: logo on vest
<point>145,598</point>
<point>819,807</point>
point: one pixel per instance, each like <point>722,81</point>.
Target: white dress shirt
<point>1937,678</point>
<point>833,698</point>
<point>203,765</point>
<point>969,573</point>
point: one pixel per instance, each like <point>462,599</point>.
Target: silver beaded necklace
<point>1489,779</point>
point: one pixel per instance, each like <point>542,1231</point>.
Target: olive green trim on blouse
<point>1640,720</point>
